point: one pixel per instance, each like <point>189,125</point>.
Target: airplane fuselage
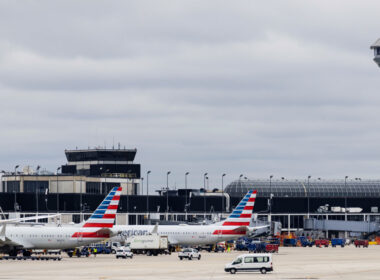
<point>181,234</point>
<point>47,237</point>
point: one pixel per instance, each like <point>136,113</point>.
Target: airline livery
<point>236,225</point>
<point>15,235</point>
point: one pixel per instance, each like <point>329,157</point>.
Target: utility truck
<point>148,244</point>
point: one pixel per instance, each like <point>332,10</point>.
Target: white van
<point>250,262</point>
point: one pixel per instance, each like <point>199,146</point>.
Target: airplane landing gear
<point>13,253</point>
<point>26,253</point>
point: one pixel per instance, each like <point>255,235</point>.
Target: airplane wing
<point>18,220</point>
<point>155,229</point>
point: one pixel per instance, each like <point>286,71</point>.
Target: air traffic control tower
<point>376,47</point>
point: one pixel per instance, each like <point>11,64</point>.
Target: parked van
<point>250,262</point>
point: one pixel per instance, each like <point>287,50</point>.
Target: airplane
<point>236,225</point>
<point>15,235</point>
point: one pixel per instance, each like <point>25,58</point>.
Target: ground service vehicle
<point>271,248</point>
<point>148,244</point>
<point>124,252</point>
<point>322,242</point>
<point>220,247</point>
<point>250,262</point>
<point>79,252</point>
<point>305,242</point>
<point>290,242</point>
<point>189,253</point>
<point>338,242</point>
<point>114,246</point>
<point>101,249</point>
<point>262,247</point>
<point>257,247</point>
<point>359,243</point>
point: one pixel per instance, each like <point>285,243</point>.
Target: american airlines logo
<point>133,232</point>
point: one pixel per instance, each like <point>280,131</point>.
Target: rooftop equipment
<point>376,47</point>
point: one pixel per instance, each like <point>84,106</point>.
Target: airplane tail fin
<point>104,216</point>
<point>242,214</point>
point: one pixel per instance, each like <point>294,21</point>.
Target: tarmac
<point>289,263</point>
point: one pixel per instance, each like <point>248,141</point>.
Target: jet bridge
<point>364,227</point>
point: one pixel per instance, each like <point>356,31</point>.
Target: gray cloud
<point>283,88</point>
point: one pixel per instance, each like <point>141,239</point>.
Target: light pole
<point>15,189</point>
<point>81,200</point>
<point>345,198</point>
<point>345,202</point>
<point>105,181</point>
<point>270,194</point>
<point>104,190</point>
<point>308,196</point>
<point>224,174</point>
<point>142,185</point>
<point>57,190</point>
<point>101,182</point>
<point>240,185</point>
<point>204,194</point>
<point>129,181</point>
<point>187,173</point>
<point>147,192</point>
<point>37,189</point>
<point>3,187</point>
<point>167,193</point>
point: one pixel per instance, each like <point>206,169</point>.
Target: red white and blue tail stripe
<point>242,214</point>
<point>104,216</point>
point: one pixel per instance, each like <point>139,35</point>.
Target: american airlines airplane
<point>15,235</point>
<point>236,225</point>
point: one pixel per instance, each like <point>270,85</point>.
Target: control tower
<point>102,162</point>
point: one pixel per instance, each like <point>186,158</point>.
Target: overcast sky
<point>257,88</point>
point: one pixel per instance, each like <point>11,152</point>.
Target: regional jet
<point>236,225</point>
<point>15,235</point>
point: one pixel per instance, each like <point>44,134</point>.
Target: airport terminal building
<point>92,171</point>
<point>89,174</point>
<point>315,196</point>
